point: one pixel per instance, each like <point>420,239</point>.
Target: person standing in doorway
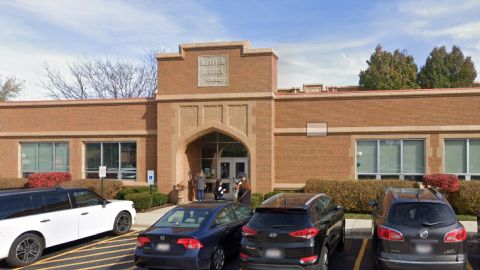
<point>200,184</point>
<point>245,192</point>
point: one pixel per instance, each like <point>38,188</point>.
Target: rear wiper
<point>430,224</point>
<point>283,226</point>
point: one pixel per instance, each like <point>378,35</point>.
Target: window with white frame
<point>119,157</point>
<point>389,159</point>
<point>44,157</point>
<point>462,157</point>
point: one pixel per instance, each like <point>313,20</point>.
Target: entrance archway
<point>220,157</point>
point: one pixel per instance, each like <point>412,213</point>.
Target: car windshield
<point>282,219</point>
<point>183,218</point>
<point>421,214</point>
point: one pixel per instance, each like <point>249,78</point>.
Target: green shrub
<point>159,199</point>
<point>467,200</point>
<point>257,199</point>
<point>355,194</point>
<point>134,189</point>
<point>110,187</point>
<point>13,183</point>
<point>141,201</point>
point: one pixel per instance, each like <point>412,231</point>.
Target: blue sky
<point>317,41</point>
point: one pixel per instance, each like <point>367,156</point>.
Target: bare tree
<point>102,78</point>
<point>10,87</point>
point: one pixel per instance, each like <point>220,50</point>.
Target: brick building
<point>218,109</point>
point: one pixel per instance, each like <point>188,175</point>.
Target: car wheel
<point>324,258</point>
<point>123,223</point>
<point>218,258</point>
<point>25,250</point>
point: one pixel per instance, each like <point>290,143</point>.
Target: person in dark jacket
<point>219,190</point>
<point>245,192</point>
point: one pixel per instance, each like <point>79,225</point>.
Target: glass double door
<point>230,170</point>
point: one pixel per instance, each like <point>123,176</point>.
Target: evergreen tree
<point>447,69</point>
<point>388,70</point>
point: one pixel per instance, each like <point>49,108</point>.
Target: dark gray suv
<point>417,229</point>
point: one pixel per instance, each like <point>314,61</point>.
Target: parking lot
<point>107,252</point>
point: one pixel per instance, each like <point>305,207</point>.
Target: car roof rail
<point>273,198</point>
<point>437,193</point>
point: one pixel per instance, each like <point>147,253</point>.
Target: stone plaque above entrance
<point>212,70</point>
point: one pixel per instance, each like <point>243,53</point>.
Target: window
<point>462,157</point>
<point>242,211</point>
<point>183,218</point>
<point>87,198</point>
<point>421,214</point>
<point>119,157</point>
<point>384,159</point>
<point>15,207</point>
<point>52,202</point>
<point>224,217</point>
<point>44,157</point>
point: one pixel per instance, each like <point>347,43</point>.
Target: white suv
<point>34,219</point>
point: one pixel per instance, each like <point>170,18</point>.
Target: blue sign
<point>151,177</point>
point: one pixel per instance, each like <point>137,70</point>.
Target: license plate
<point>273,253</point>
<point>423,248</point>
<point>163,247</point>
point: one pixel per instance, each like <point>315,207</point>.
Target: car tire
<point>341,242</point>
<point>323,259</point>
<point>25,250</point>
<point>123,223</point>
<point>217,260</point>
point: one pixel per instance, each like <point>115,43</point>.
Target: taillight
<point>190,243</point>
<point>310,259</point>
<point>244,256</point>
<point>247,231</point>
<point>305,233</point>
<point>386,233</point>
<point>458,235</point>
<point>142,241</point>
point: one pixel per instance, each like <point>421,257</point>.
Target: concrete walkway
<point>355,228</point>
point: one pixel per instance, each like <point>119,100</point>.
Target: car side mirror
<point>339,207</point>
<point>104,203</point>
<point>373,203</point>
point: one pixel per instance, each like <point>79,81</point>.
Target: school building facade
<point>218,109</point>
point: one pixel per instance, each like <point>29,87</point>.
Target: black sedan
<point>193,236</point>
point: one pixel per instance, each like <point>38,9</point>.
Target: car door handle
<point>45,220</point>
<point>84,213</point>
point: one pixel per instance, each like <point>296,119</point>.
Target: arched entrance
<point>220,157</point>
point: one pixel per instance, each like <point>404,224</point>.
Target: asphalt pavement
<point>107,252</point>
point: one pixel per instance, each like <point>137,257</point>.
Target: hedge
<point>141,201</point>
<point>48,179</point>
<point>355,194</point>
<point>257,199</point>
<point>13,183</point>
<point>135,189</point>
<point>110,187</point>
<point>467,200</point>
<point>159,199</point>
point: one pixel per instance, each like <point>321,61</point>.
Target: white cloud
<point>35,32</point>
<point>332,63</point>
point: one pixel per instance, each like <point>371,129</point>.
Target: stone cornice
<point>244,45</point>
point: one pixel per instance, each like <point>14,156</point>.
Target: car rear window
<point>421,214</point>
<point>280,219</point>
<point>184,218</point>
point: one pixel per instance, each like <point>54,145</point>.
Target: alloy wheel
<point>28,250</point>
<point>123,223</point>
<point>218,258</point>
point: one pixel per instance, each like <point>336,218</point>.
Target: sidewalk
<point>355,228</point>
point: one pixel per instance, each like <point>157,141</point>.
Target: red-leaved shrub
<point>46,180</point>
<point>445,183</point>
